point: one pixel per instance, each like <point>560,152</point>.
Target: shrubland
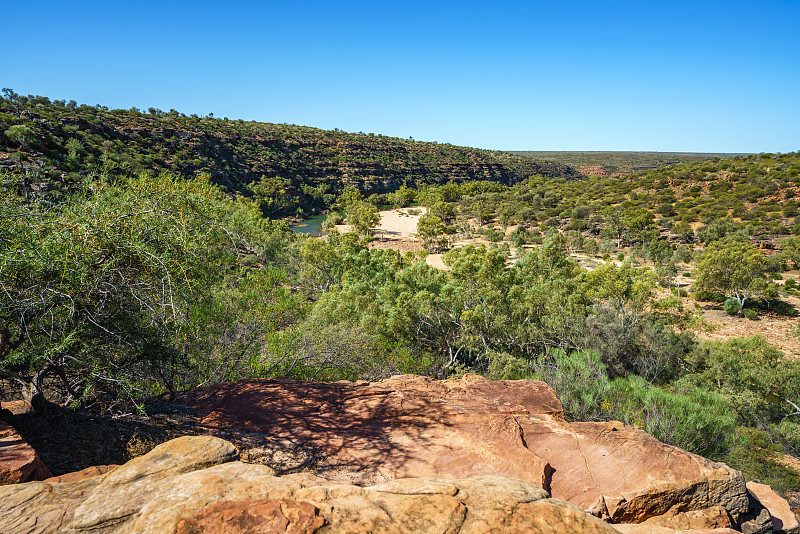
<point>119,283</point>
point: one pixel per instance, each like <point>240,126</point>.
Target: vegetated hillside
<point>619,163</point>
<point>755,195</point>
<point>117,289</point>
<point>295,168</point>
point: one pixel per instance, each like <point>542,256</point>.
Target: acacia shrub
<point>760,383</point>
<point>698,421</point>
<point>96,288</point>
<point>579,379</point>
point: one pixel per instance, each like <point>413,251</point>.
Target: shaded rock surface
<point>782,517</point>
<point>195,484</point>
<point>411,426</point>
<point>710,518</point>
<point>18,461</point>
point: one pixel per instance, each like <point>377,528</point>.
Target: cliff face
<point>59,142</point>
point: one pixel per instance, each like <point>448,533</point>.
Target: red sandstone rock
<point>710,518</point>
<point>194,484</point>
<point>411,426</point>
<point>264,516</point>
<point>406,426</point>
<point>625,475</point>
<point>18,461</point>
<point>647,528</point>
<point>783,519</point>
<point>17,407</point>
<point>83,474</point>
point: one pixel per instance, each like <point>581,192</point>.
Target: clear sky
<point>562,75</point>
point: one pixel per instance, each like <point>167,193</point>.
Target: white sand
<point>399,223</point>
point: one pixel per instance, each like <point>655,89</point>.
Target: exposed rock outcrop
<point>781,515</point>
<point>18,461</point>
<point>194,484</point>
<point>407,454</point>
<point>411,426</point>
<point>83,474</point>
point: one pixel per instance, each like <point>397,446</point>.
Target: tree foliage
<point>92,289</point>
<point>734,267</point>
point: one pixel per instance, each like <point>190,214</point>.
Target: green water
<point>312,226</point>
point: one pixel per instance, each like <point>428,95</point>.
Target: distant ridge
<point>619,163</point>
<point>58,141</point>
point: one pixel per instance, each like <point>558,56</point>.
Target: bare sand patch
<point>397,229</point>
<point>436,261</point>
<point>776,329</point>
<point>401,222</point>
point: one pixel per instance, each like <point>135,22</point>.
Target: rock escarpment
<point>411,426</point>
<point>194,484</point>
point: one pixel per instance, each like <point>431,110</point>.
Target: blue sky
<point>665,76</point>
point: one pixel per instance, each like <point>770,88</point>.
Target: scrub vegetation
<point>137,257</point>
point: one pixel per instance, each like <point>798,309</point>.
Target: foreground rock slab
<point>411,426</point>
<point>625,475</point>
<point>783,519</point>
<point>195,484</point>
<point>18,461</point>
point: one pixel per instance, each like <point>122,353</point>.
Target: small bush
<point>503,366</point>
<point>580,380</point>
<point>731,306</point>
<point>679,292</point>
<point>790,432</point>
<point>708,296</point>
<point>332,220</point>
<point>782,308</point>
<point>750,313</point>
<point>699,421</point>
<point>494,235</point>
<point>621,256</point>
<point>518,237</point>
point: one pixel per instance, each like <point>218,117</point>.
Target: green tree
<point>273,195</point>
<point>717,230</point>
<point>638,221</point>
<point>432,231</point>
<point>615,224</point>
<point>401,198</point>
<point>349,197</point>
<point>683,231</point>
<point>734,267</point>
<point>591,247</point>
<point>21,134</point>
<point>95,289</point>
<point>363,217</point>
<point>627,289</point>
<point>444,210</point>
